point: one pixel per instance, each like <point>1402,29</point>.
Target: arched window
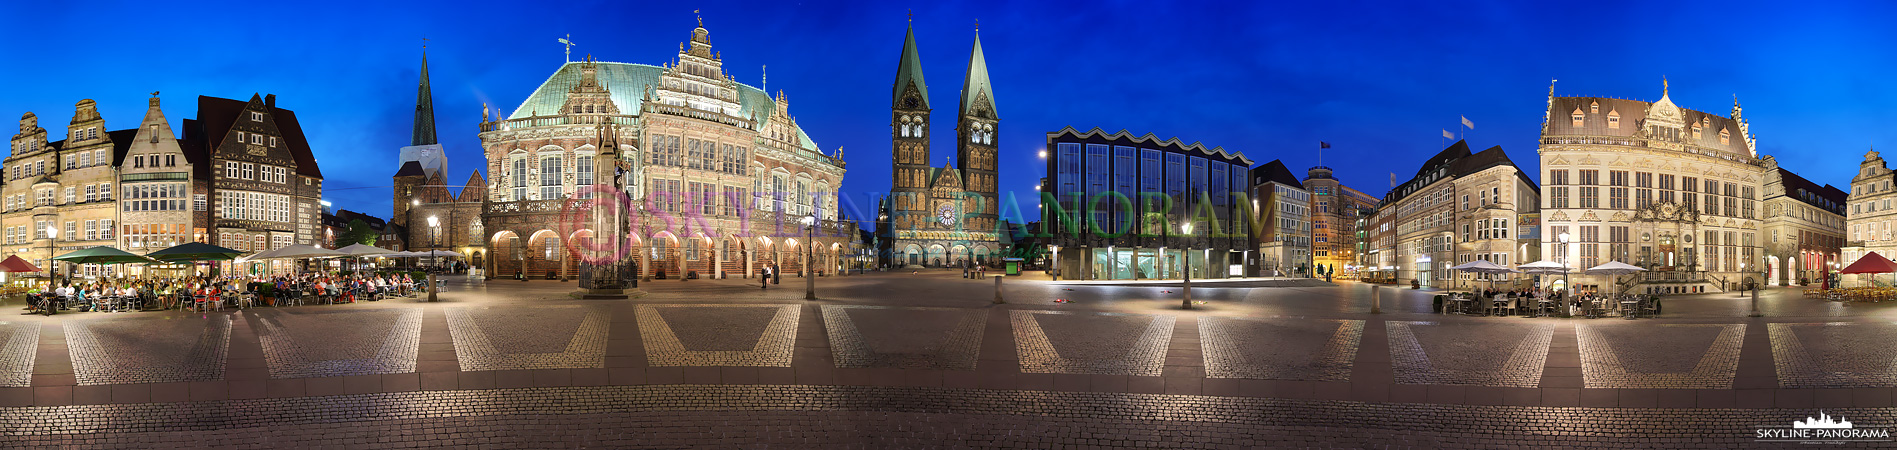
<point>476,232</point>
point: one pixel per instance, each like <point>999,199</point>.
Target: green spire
<point>975,85</point>
<point>424,110</point>
<point>909,71</point>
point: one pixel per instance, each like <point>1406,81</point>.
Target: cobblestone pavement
<point>1091,343</point>
<point>881,417</point>
<point>18,341</point>
<point>907,338</point>
<point>124,349</point>
<point>718,335</point>
<point>300,343</point>
<point>549,337</point>
<point>1835,354</point>
<point>1660,356</point>
<point>924,359</point>
<point>1469,353</point>
<point>1279,348</point>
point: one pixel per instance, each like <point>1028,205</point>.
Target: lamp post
<point>810,278</point>
<point>1186,275</point>
<point>51,235</point>
<point>1566,286</point>
<point>434,224</point>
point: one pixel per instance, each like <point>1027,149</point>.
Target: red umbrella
<point>15,264</point>
<point>1871,263</point>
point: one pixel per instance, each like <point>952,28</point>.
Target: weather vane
<point>568,42</point>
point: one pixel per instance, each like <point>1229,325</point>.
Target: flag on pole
<point>1322,144</point>
<point>1393,179</point>
<point>1467,123</point>
<point>1448,135</point>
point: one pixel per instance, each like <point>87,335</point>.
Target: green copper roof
<point>909,70</point>
<point>977,81</point>
<point>424,111</point>
<point>626,81</point>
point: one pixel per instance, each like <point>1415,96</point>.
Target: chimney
<point>270,100</point>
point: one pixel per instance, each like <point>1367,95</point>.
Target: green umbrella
<point>101,255</point>
<point>194,251</point>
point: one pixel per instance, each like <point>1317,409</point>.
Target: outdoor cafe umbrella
<point>296,252</point>
<point>101,255</point>
<point>1614,268</point>
<point>1483,266</point>
<point>15,264</point>
<point>1872,263</point>
<point>194,251</point>
<point>359,250</point>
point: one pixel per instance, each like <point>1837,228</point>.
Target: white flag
<point>1467,123</point>
<point>1448,135</point>
<point>1392,179</point>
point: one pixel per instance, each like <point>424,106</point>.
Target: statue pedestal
<point>607,294</point>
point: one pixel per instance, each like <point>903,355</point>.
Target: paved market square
<point>925,358</point>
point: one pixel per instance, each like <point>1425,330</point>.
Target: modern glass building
<point>1120,207</point>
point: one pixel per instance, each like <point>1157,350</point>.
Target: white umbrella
<point>296,251</point>
<point>365,250</point>
<point>1543,267</point>
<point>1614,268</point>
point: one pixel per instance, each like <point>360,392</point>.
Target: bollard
<point>432,287</point>
<point>998,299</point>
<point>1755,304</point>
<point>1187,301</point>
<point>1376,299</point>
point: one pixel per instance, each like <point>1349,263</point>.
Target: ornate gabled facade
<point>1670,189</point>
<point>1871,214</point>
<point>1460,207</point>
<point>720,173</point>
<point>941,216</point>
<point>145,189</point>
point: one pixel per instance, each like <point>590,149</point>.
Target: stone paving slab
<point>1659,356</point>
<point>541,337</point>
<point>304,343</point>
<point>19,341</point>
<point>122,349</point>
<point>904,337</point>
<point>1493,353</point>
<point>1096,343</point>
<point>718,334</point>
<point>878,417</point>
<point>1835,354</point>
<point>1294,348</point>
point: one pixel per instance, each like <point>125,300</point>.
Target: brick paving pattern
<point>540,337</point>
<point>1835,354</point>
<point>904,337</point>
<point>679,416</point>
<point>18,341</point>
<point>1091,342</point>
<point>719,335</point>
<point>1279,348</point>
<point>143,349</point>
<point>1507,354</point>
<point>1659,356</point>
<point>301,343</point>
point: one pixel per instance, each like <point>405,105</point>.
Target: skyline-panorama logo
<point>1823,429</point>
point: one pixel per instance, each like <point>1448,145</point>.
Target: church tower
<point>975,141</point>
<point>423,147</point>
<point>909,117</point>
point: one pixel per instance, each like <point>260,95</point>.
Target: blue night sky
<point>1269,79</point>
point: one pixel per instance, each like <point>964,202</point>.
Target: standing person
<point>764,282</point>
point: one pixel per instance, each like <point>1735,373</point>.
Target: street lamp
<point>1566,286</point>
<point>51,235</point>
<point>1186,301</point>
<point>810,278</point>
<point>435,224</point>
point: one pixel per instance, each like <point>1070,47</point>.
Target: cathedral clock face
<point>946,215</point>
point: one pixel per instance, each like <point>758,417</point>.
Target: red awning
<point>15,264</point>
<point>1871,263</point>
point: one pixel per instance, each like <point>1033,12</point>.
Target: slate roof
<point>215,117</point>
<point>976,82</point>
<point>627,81</point>
<point>1825,197</point>
<point>1631,112</point>
<point>410,169</point>
<point>1276,172</point>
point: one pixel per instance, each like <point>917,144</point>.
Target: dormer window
<point>1594,108</point>
<point>1725,137</point>
<point>1613,119</point>
<point>256,116</point>
<point>1578,116</point>
<point>1696,133</point>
